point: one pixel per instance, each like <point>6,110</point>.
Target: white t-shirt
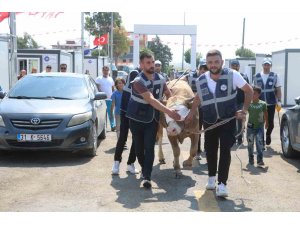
<point>105,85</point>
<point>238,81</point>
<point>265,77</point>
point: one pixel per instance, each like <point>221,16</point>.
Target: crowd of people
<point>136,104</point>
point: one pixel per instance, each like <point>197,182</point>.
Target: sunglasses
<point>63,68</point>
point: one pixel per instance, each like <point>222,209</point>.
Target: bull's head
<point>176,127</point>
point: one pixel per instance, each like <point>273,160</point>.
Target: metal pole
<point>243,38</point>
<point>13,50</point>
<point>182,61</point>
<point>111,40</point>
<point>82,42</point>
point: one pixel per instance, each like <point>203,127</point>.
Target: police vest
<point>127,91</point>
<point>140,110</point>
<point>240,97</point>
<point>222,103</point>
<point>268,89</point>
<point>193,76</point>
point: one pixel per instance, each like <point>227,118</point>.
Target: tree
<point>187,57</point>
<point>99,52</point>
<point>161,52</point>
<point>244,52</point>
<point>26,42</point>
<point>99,23</point>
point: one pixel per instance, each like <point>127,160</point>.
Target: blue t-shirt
<point>116,97</point>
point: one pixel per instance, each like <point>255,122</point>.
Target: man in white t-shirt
<point>216,92</point>
<point>106,84</point>
<point>270,85</point>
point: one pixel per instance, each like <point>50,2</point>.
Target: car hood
<point>44,106</point>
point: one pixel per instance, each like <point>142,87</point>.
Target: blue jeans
<point>111,120</point>
<point>258,136</point>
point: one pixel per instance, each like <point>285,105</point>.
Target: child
<point>116,102</point>
<point>258,116</point>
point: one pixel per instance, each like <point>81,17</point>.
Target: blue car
<point>53,111</point>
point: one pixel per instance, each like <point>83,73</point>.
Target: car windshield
<point>49,87</point>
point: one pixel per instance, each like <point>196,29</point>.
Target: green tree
<point>161,52</point>
<point>244,52</point>
<point>187,57</point>
<point>26,42</point>
<point>99,23</point>
<point>99,52</point>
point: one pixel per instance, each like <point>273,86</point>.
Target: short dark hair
<point>257,89</point>
<point>63,64</point>
<point>145,53</point>
<point>214,52</point>
<point>48,67</point>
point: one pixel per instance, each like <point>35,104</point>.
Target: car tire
<point>91,152</point>
<point>103,133</point>
<point>286,146</point>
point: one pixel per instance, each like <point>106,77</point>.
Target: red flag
<point>102,40</point>
<point>3,15</point>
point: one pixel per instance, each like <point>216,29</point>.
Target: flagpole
<point>111,40</point>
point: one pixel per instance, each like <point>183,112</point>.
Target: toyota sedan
<point>53,111</point>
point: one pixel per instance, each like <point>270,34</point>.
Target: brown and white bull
<point>177,131</point>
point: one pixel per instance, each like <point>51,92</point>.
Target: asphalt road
<point>60,181</point>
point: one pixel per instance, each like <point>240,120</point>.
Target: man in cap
<point>157,69</point>
<point>270,85</point>
<point>235,64</point>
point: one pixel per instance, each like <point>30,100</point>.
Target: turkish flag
<point>102,40</point>
<point>3,15</point>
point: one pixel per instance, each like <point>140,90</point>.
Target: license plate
<point>34,137</point>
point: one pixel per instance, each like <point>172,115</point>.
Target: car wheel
<point>103,133</point>
<point>93,151</point>
<point>286,146</point>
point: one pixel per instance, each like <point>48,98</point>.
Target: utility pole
<point>243,38</point>
<point>111,40</point>
<point>13,50</point>
<point>182,61</point>
<point>82,42</point>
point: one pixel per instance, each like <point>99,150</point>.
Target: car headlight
<point>1,122</point>
<point>80,118</point>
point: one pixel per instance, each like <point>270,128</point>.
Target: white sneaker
<point>211,183</point>
<point>222,190</point>
<point>132,169</point>
<point>115,168</point>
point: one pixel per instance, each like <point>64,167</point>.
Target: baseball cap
<point>201,64</point>
<point>157,62</point>
<point>234,62</point>
<point>267,61</point>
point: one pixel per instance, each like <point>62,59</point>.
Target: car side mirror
<point>100,96</point>
<point>297,100</point>
<point>2,94</point>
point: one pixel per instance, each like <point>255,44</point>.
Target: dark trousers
<point>225,136</point>
<point>143,135</point>
<point>124,127</point>
<point>271,113</point>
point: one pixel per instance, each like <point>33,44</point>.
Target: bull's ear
<point>189,102</point>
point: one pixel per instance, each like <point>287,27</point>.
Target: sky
<point>268,27</point>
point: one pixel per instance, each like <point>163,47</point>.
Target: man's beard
<point>216,71</point>
<point>150,70</point>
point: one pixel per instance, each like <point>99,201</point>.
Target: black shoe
<point>113,129</point>
<point>239,141</point>
<point>268,140</point>
<point>147,184</point>
<point>260,163</point>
